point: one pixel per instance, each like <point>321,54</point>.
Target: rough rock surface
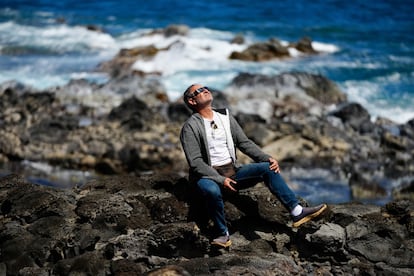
<point>128,225</point>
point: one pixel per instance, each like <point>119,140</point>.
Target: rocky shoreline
<point>138,216</point>
<point>305,121</point>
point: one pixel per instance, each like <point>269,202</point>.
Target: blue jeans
<point>246,176</point>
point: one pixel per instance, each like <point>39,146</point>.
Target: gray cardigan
<point>194,142</point>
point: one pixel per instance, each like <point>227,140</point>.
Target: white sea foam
<point>370,95</point>
<point>56,38</point>
<point>294,52</point>
<point>54,64</point>
<point>197,51</point>
<point>346,64</point>
<point>324,47</point>
<point>202,49</point>
<point>38,81</point>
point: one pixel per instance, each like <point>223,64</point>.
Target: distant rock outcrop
<point>273,49</point>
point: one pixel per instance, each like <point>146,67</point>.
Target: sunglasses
<point>199,91</point>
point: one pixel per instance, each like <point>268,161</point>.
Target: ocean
<point>367,48</point>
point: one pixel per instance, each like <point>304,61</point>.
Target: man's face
<point>200,96</point>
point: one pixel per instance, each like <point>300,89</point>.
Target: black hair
<point>187,95</point>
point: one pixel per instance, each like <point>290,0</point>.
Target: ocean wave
<point>325,47</point>
<point>54,39</point>
<point>202,49</point>
<point>379,102</point>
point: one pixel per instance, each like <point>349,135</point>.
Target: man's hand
<point>274,165</point>
<point>228,183</point>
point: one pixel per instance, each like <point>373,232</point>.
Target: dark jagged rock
<point>178,112</point>
<point>238,39</point>
<point>272,49</point>
<point>262,51</point>
<point>408,129</point>
<point>304,45</point>
<point>176,30</point>
<point>132,113</point>
<point>123,61</point>
<point>170,30</point>
<point>53,130</point>
<point>354,115</point>
<point>141,225</point>
<point>316,86</point>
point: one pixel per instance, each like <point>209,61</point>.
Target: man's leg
<point>261,172</point>
<point>250,174</point>
<point>212,193</point>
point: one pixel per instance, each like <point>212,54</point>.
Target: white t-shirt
<point>217,142</point>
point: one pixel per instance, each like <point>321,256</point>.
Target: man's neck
<point>207,113</point>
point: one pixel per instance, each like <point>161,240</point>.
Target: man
<point>209,139</point>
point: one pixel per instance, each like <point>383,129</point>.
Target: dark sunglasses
<point>199,91</point>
